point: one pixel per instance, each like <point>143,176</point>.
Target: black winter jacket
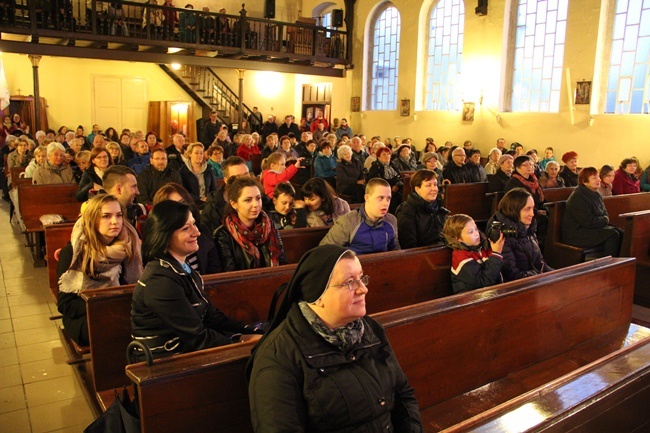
<point>214,209</point>
<point>521,254</point>
<point>454,173</point>
<point>191,183</point>
<point>585,219</point>
<point>299,382</point>
<point>420,223</point>
<point>570,178</point>
<point>86,183</point>
<point>170,305</point>
<point>347,174</point>
<point>150,180</point>
<point>234,258</point>
<point>497,182</point>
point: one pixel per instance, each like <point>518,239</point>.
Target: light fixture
<point>176,66</point>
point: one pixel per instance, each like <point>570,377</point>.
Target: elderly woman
<point>492,165</point>
<point>625,179</point>
<point>19,157</point>
<point>170,311</point>
<point>524,177</point>
<point>323,365</point>
<point>383,168</point>
<point>349,175</point>
<point>585,222</point>
<point>91,179</point>
<point>551,178</point>
<point>430,162</point>
<point>522,256</point>
<point>40,156</point>
<point>498,180</point>
<point>421,217</point>
<point>404,161</point>
<point>606,174</point>
<point>197,177</point>
<point>55,170</point>
<point>570,170</point>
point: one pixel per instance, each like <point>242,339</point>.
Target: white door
<point>120,102</point>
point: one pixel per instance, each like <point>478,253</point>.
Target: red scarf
<point>532,185</point>
<point>250,239</point>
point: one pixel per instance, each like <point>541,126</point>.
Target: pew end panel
<point>56,236</point>
<point>636,243</point>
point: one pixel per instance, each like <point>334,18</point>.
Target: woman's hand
<point>298,161</point>
<point>394,189</point>
<point>497,246</point>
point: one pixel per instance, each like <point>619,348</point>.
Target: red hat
<point>569,156</point>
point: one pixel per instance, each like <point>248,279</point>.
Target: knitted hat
<point>569,156</point>
<point>504,158</point>
<point>427,156</point>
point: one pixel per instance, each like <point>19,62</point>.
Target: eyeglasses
<point>353,285</point>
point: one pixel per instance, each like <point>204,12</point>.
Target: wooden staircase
<point>209,91</point>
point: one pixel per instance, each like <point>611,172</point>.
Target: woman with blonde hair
<point>197,177</point>
<point>104,251</point>
<point>116,153</point>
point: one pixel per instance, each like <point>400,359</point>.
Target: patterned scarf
<point>251,238</point>
<point>532,184</point>
<point>389,171</point>
<point>345,337</point>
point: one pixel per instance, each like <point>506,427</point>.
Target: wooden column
<point>240,95</point>
<point>349,27</point>
<point>37,94</point>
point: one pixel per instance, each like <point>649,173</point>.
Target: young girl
<point>283,214</point>
<point>278,172</point>
<point>473,265</point>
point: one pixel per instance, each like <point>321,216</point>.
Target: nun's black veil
<point>308,283</point>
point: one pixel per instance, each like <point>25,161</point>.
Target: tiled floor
<point>39,392</point>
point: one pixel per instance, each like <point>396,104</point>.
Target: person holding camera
<point>522,256</point>
<point>474,264</point>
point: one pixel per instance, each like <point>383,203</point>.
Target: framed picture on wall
<point>355,104</point>
<point>583,92</point>
<point>405,108</point>
<point>468,112</point>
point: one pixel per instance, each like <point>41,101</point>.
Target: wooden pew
<point>470,199</point>
<point>636,243</point>
<point>473,359</point>
<point>56,236</point>
<point>559,254</point>
<point>246,296</point>
<point>38,200</point>
<point>298,241</point>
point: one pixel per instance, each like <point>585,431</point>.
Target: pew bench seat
<point>502,395</point>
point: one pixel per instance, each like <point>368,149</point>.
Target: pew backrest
<point>446,347</point>
<point>246,296</point>
<point>38,200</point>
<point>470,199</point>
<point>298,241</point>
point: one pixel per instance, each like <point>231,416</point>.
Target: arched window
<point>384,59</point>
<point>628,75</point>
<point>538,55</point>
<point>444,54</point>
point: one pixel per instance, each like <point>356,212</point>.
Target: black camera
<point>494,231</point>
<point>307,162</point>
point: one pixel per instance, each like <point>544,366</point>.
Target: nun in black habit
<point>323,365</point>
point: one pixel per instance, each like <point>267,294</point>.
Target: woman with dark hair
<point>524,177</point>
<point>103,252</point>
<point>421,217</point>
<point>350,179</point>
<point>324,365</point>
<point>151,139</point>
<point>585,222</point>
<point>170,311</point>
<point>625,179</point>
<point>606,174</point>
<point>324,206</point>
<point>206,259</point>
<point>383,168</point>
<point>111,134</point>
<point>247,239</point>
<point>91,179</point>
<point>522,256</point>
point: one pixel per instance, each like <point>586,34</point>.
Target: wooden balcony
<point>148,32</point>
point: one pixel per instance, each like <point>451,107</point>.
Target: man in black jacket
<point>210,130</point>
<point>155,175</point>
<point>215,206</point>
<point>288,126</point>
<point>455,171</point>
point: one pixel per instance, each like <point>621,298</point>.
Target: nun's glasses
<point>353,285</point>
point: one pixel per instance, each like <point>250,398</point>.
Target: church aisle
<point>39,392</point>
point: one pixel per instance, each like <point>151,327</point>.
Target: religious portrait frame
<point>405,108</point>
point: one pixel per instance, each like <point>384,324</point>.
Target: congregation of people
<point>161,215</point>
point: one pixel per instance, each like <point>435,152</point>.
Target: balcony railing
<point>149,24</point>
